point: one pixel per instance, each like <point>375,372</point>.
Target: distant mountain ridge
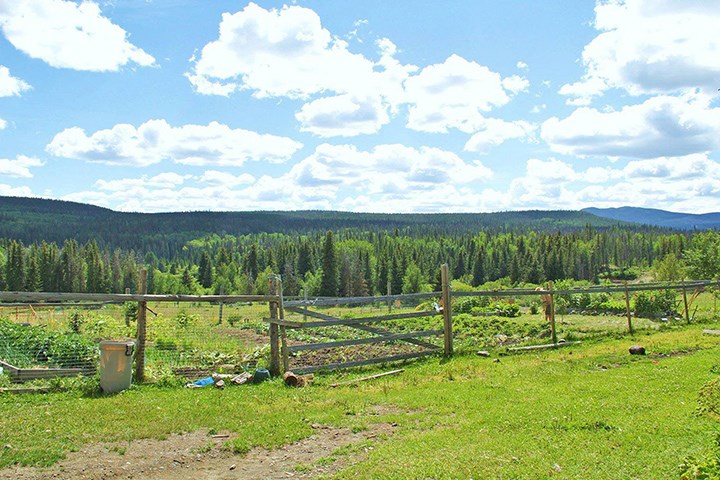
<point>659,218</point>
<point>36,219</point>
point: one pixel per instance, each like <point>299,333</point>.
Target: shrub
<point>76,321</point>
<point>185,320</point>
<point>649,303</point>
<point>130,312</point>
<point>467,304</point>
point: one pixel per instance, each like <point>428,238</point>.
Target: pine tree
<point>329,283</point>
<point>205,270</point>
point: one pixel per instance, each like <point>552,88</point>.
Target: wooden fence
<point>278,325</point>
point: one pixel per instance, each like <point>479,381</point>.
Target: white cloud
<point>521,65</point>
<point>19,167</point>
<point>333,176</point>
<point>9,85</point>
<point>456,94</point>
<point>651,46</point>
<point>3,124</point>
<point>342,115</point>
<point>495,132</point>
<point>385,169</point>
<point>9,191</point>
<point>156,140</point>
<point>284,52</point>
<point>163,180</point>
<point>661,126</point>
<point>66,34</point>
<point>288,53</point>
<point>215,177</point>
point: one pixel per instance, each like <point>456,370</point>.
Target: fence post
<point>389,293</point>
<point>685,302</point>
<point>274,343</point>
<point>627,308</point>
<point>220,310</point>
<point>141,329</point>
<point>283,333</point>
<point>551,287</point>
<point>447,310</point>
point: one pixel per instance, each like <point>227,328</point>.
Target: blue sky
<point>401,106</point>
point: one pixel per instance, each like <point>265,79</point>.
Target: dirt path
<point>198,456</point>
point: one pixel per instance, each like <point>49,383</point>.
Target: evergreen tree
<point>205,270</point>
<point>305,259</point>
<point>329,284</point>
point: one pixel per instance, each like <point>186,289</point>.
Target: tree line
<point>357,263</point>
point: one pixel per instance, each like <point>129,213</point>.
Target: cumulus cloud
<point>456,94</point>
<point>9,85</point>
<point>156,140</point>
<point>495,131</point>
<point>650,47</point>
<point>19,167</point>
<point>216,177</point>
<point>343,115</point>
<point>288,53</point>
<point>66,34</point>
<point>333,176</point>
<point>163,180</point>
<point>10,191</point>
<point>3,124</point>
<point>385,169</point>
<point>661,126</point>
<point>275,53</point>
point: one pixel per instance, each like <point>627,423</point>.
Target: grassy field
<point>590,411</point>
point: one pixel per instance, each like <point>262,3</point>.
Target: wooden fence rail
<point>278,304</point>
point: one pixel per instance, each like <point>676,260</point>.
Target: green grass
<point>558,414</point>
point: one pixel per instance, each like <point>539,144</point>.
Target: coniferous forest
<point>65,247</point>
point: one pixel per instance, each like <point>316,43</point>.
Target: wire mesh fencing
<point>62,338</point>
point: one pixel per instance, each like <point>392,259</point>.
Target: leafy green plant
<point>130,312</point>
<point>467,304</point>
<point>76,321</point>
<point>185,320</point>
<point>650,303</point>
<point>25,346</point>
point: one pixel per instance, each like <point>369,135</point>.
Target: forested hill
<point>659,218</point>
<point>33,220</point>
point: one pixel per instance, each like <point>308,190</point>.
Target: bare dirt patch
<point>199,456</point>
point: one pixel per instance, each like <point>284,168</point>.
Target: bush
<point>650,303</point>
<point>76,321</point>
<point>185,320</point>
<point>467,304</point>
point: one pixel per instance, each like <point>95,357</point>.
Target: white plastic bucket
<point>116,365</point>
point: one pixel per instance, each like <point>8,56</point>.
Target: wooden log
<point>364,341</point>
<point>540,347</point>
<point>371,377</point>
<point>685,302</point>
<point>42,297</point>
<point>711,332</point>
<point>369,361</point>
